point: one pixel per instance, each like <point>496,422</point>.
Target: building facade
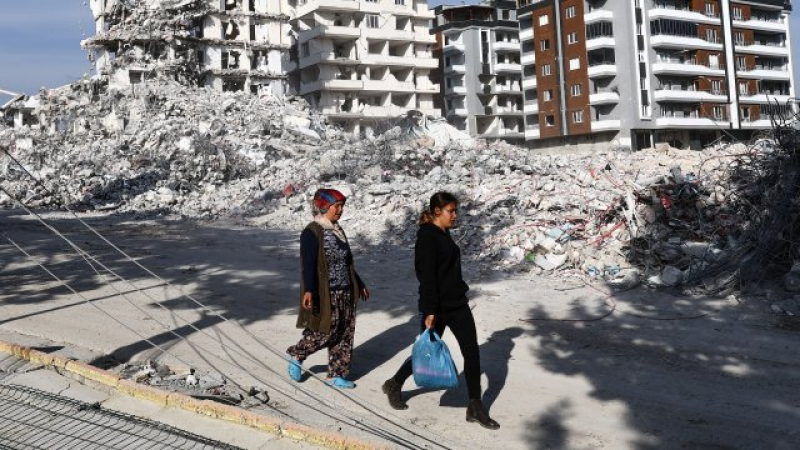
<point>644,71</point>
<point>224,44</point>
<point>480,69</point>
<point>364,62</point>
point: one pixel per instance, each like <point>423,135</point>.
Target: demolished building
<point>228,45</point>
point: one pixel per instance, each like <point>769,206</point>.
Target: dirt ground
<point>566,365</point>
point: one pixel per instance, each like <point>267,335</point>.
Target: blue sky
<point>40,42</point>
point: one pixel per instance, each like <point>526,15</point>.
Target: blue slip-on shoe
<point>340,383</point>
<point>295,371</point>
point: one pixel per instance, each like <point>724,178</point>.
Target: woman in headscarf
<point>330,289</point>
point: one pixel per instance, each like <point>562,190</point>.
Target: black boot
<point>392,389</point>
<point>475,413</point>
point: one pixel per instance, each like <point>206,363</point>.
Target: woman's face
<point>447,216</point>
<point>335,211</point>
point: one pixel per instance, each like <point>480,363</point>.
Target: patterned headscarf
<point>324,198</point>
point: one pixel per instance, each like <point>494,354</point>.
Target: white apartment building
<point>481,71</point>
<point>224,44</point>
<point>361,62</point>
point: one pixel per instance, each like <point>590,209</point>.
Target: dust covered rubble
<point>160,147</point>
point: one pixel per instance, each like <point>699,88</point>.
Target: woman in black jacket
<point>443,302</point>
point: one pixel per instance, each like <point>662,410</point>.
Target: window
<point>741,63</point>
<point>737,13</point>
<point>373,21</point>
<point>576,90</point>
<point>400,2</point>
<point>716,86</point>
<point>745,113</point>
<point>574,64</point>
<point>713,61</point>
<point>571,12</point>
<point>547,95</point>
<point>304,50</point>
<point>544,19</point>
<point>711,35</point>
<point>544,44</point>
<point>572,38</point>
<point>738,37</point>
<point>577,116</point>
<point>546,69</point>
<point>550,120</point>
<point>743,88</point>
<point>373,1</point>
<point>718,112</point>
<point>710,10</point>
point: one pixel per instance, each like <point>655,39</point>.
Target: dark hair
<point>438,201</point>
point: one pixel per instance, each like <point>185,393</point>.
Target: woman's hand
<point>307,300</point>
<point>364,294</point>
<point>429,321</point>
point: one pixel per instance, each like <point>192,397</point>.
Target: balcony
<point>506,46</point>
<point>307,6</point>
<point>400,61</point>
<point>455,90</point>
<point>757,48</point>
<point>329,31</point>
<point>683,42</point>
<point>665,11</point>
<point>327,57</point>
<point>598,15</point>
<point>526,34</point>
<point>608,69</point>
<point>604,98</point>
<point>331,85</point>
<point>529,83</point>
<point>761,24</point>
<point>690,120</point>
<point>532,133</point>
<point>507,67</point>
<point>456,68</point>
<point>688,67</point>
<point>388,35</point>
<point>757,124</point>
<point>528,59</point>
<point>773,73</point>
<point>606,125</point>
<point>454,47</point>
<point>600,42</point>
<point>763,98</point>
<point>508,111</point>
<point>688,95</point>
<point>458,112</point>
<point>531,107</point>
<point>430,89</point>
<point>388,86</point>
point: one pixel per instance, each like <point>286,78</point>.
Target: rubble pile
<point>665,216</point>
<point>188,381</point>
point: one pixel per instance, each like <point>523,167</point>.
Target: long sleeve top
<point>437,263</point>
<point>338,256</point>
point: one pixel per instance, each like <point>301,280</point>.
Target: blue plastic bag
<point>433,366</point>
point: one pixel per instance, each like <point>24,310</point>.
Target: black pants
<point>462,324</point>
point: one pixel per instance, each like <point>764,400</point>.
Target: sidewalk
<point>20,378</point>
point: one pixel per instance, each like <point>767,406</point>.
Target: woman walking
<point>330,290</point>
<point>443,302</point>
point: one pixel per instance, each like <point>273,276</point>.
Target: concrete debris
<point>791,281</point>
<point>161,147</point>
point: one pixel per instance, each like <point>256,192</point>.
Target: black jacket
<point>437,262</point>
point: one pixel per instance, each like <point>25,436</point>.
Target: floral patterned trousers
<point>339,340</point>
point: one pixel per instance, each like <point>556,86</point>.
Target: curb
<point>91,375</point>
